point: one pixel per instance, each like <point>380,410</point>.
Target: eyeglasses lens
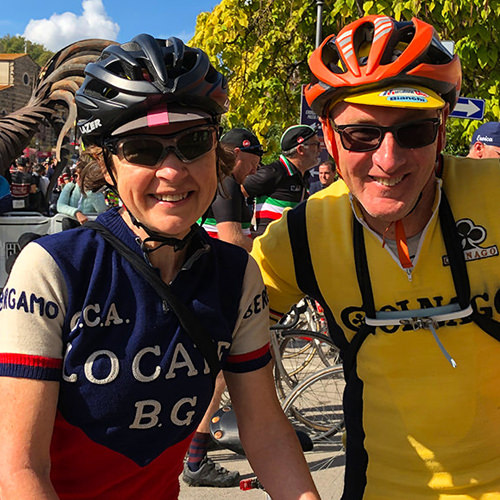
<point>361,138</point>
<point>149,151</point>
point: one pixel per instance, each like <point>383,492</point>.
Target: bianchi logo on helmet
<point>405,94</point>
<point>90,126</point>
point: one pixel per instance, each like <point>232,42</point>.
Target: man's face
<point>389,180</point>
<point>245,165</point>
<point>312,150</point>
<point>325,175</point>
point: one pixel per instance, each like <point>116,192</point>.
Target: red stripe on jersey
<point>267,214</point>
<point>29,360</point>
<point>241,358</point>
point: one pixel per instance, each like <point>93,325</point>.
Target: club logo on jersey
<point>471,236</point>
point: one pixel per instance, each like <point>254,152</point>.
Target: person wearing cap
<point>106,374</point>
<point>403,254</point>
<point>229,217</point>
<point>281,184</point>
<point>485,141</point>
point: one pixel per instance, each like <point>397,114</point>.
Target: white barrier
<point>14,224</point>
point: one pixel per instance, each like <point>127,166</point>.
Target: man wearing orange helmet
<point>403,255</point>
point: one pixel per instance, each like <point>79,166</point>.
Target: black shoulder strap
<point>304,271</point>
<point>459,268</point>
<point>189,322</point>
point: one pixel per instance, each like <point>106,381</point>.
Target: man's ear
<point>478,149</point>
<point>237,152</point>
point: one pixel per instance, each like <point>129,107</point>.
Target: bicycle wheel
<point>301,353</point>
<point>315,405</point>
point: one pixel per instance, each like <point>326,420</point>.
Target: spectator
<point>326,176</point>
<point>229,217</point>
<point>5,196</point>
<point>229,220</point>
<point>22,185</point>
<point>485,141</point>
<point>281,184</point>
<point>77,201</point>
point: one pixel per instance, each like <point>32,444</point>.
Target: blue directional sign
<point>468,107</point>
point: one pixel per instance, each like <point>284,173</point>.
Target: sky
<point>57,23</point>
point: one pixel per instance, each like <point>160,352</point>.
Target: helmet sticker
<point>158,116</point>
<point>405,95</point>
<point>86,128</point>
<point>246,143</point>
<point>300,140</point>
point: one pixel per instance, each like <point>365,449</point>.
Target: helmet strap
<point>329,134</point>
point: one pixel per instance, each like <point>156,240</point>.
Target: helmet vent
<point>96,89</point>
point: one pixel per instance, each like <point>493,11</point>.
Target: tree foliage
<point>262,46</point>
<point>19,45</point>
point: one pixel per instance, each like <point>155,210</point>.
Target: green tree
<point>262,46</point>
<point>19,45</point>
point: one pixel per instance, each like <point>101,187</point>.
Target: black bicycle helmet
<point>130,79</point>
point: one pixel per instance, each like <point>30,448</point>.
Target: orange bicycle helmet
<point>376,51</point>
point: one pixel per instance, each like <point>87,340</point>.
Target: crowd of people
<point>117,370</point>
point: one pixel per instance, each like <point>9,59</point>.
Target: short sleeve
<point>227,205</point>
<point>32,310</point>
<point>263,182</point>
<point>273,254</point>
<point>250,347</point>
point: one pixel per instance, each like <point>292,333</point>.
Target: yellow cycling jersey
<point>417,428</point>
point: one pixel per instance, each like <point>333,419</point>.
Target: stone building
<point>18,74</point>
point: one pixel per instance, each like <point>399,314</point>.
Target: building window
<point>26,79</point>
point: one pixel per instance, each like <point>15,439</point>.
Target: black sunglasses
<point>150,150</point>
<point>410,135</point>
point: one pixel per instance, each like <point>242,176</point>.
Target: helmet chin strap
<point>177,244</point>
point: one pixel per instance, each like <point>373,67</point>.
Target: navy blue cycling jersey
<point>130,377</point>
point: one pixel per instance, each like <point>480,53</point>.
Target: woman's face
<point>170,197</point>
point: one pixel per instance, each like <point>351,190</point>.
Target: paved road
<point>326,462</point>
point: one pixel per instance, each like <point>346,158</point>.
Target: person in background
<point>228,219</point>
<point>281,184</point>
<point>326,176</point>
<point>40,171</point>
<point>5,196</point>
<point>485,141</point>
<point>403,254</point>
<point>77,200</point>
<point>22,185</point>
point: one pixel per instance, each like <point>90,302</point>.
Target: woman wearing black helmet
<point>105,385</point>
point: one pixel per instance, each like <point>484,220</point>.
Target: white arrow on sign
<point>468,107</point>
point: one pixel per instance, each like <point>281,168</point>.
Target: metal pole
<point>319,17</point>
